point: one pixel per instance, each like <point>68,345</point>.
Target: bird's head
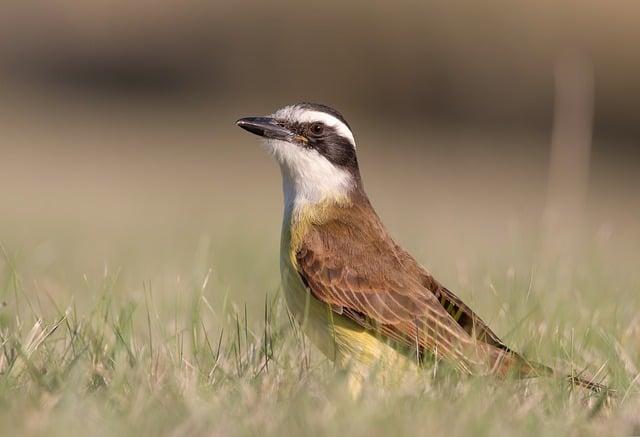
<point>315,148</point>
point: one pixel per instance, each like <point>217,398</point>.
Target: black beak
<point>266,127</point>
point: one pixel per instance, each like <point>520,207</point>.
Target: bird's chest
<point>338,337</point>
<point>315,317</point>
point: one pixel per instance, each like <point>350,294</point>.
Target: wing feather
<point>379,286</point>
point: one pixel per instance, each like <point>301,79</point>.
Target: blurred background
<point>484,129</point>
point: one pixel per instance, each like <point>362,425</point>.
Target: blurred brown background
<point>476,121</point>
<point>463,61</point>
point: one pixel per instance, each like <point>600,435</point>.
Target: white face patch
<point>300,114</point>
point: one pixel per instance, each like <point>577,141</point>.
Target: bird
<point>360,298</point>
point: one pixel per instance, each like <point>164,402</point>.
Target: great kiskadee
<point>361,299</point>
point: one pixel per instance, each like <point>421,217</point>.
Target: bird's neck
<point>302,215</point>
<point>308,205</point>
<point>311,193</point>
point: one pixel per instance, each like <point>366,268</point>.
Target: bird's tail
<point>508,362</point>
<point>589,384</point>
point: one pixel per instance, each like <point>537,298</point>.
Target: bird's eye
<point>316,128</point>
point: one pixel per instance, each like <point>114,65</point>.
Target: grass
<point>104,352</point>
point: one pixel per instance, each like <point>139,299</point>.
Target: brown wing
<point>350,263</point>
<point>466,318</point>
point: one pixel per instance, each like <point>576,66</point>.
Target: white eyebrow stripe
<point>301,115</point>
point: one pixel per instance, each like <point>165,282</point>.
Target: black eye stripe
<point>335,148</point>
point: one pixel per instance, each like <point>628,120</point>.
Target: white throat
<point>308,178</point>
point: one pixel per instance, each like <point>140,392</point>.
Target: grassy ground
<point>159,313</point>
<point>117,357</point>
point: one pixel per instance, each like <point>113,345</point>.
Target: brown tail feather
<point>589,384</point>
<point>510,363</point>
<point>575,380</point>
